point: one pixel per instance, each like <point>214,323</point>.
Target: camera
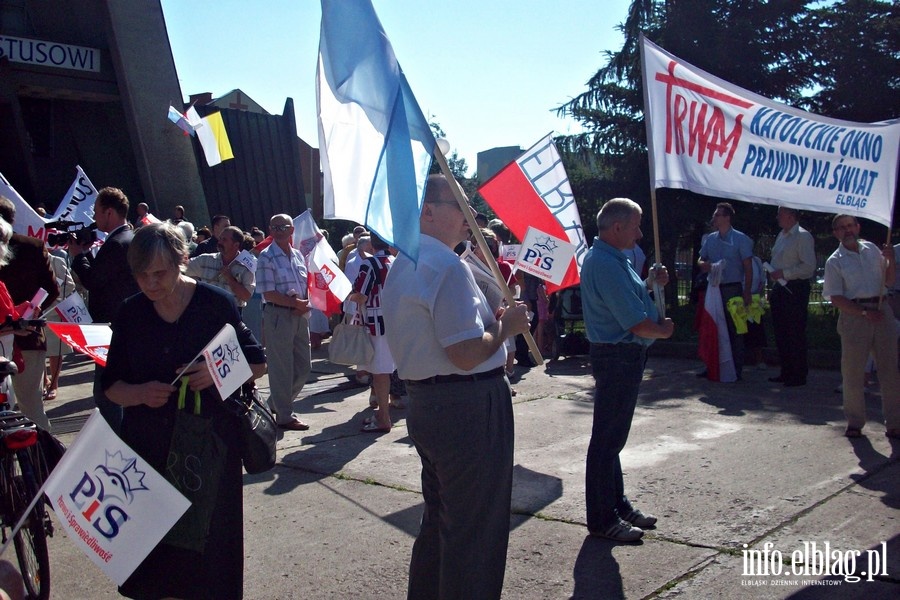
<point>20,324</point>
<point>84,235</point>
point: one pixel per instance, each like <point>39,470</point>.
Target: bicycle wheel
<point>31,540</point>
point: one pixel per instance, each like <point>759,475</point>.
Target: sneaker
<point>639,519</point>
<point>620,531</point>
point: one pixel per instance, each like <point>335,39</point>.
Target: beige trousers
<point>859,336</point>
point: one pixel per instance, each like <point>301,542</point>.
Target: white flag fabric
<point>226,361</point>
<point>375,143</point>
<point>112,505</point>
<point>73,310</point>
<point>247,259</point>
<point>712,137</point>
<point>28,222</point>
<point>78,203</point>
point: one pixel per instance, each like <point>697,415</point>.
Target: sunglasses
<point>279,227</point>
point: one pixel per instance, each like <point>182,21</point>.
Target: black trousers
<point>790,307</point>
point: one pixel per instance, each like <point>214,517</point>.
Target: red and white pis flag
<point>91,340</point>
<point>112,505</point>
<point>328,286</point>
<point>712,137</point>
<point>226,361</point>
<point>534,191</point>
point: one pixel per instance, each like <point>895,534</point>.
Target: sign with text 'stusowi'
<point>711,137</point>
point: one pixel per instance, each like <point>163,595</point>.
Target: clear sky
<point>488,71</point>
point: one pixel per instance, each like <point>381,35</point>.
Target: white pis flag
<point>112,504</point>
<point>73,310</point>
<point>226,361</point>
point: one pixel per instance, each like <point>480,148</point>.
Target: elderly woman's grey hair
<point>6,232</point>
<point>154,241</point>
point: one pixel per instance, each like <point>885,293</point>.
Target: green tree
<point>858,66</point>
<point>775,48</point>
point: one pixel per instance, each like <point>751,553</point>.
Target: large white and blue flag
<point>376,146</point>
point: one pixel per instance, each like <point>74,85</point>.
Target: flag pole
<point>659,295</point>
<point>482,243</point>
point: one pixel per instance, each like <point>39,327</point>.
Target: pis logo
<point>223,357</point>
<point>102,495</point>
<point>540,253</point>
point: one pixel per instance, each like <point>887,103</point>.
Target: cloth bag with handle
<point>194,466</point>
<point>351,343</point>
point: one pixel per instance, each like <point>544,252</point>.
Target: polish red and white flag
<point>328,286</point>
<point>91,340</point>
<point>534,191</point>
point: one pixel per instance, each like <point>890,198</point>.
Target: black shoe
<point>702,374</point>
<point>639,519</point>
<point>794,382</point>
<point>779,379</point>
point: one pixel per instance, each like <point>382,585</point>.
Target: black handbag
<point>194,466</point>
<point>258,430</point>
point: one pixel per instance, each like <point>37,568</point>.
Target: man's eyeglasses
<point>280,227</point>
<point>453,202</point>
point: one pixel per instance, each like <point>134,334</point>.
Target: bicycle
<point>22,472</point>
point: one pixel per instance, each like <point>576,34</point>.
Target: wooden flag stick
<point>482,243</point>
<point>659,295</point>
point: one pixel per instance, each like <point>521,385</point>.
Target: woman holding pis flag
<point>155,334</point>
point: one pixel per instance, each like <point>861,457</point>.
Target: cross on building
<point>237,103</point>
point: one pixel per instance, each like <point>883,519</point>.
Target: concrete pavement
<point>722,465</point>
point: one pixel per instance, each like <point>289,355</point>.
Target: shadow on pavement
<point>596,572</point>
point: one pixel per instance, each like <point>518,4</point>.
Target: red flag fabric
<point>534,191</point>
<point>91,340</point>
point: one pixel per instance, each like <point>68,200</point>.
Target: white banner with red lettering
<point>534,191</point>
<point>91,340</point>
<point>112,505</point>
<point>711,137</point>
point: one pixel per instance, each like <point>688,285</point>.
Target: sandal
<point>398,404</point>
<point>853,432</point>
<point>50,395</point>
<point>374,427</point>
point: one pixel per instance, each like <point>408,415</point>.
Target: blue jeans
<point>617,370</point>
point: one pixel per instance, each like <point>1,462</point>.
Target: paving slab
<point>722,464</point>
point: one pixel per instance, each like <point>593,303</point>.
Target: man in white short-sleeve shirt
<point>855,278</point>
<point>448,346</point>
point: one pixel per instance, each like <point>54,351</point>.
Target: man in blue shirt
<point>736,249</point>
<point>621,321</point>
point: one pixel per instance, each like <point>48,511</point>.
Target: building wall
<point>491,161</point>
<point>111,121</point>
